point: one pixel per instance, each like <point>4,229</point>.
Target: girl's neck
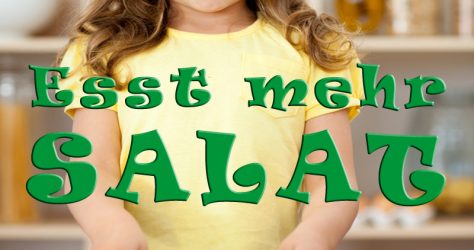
<point>233,18</point>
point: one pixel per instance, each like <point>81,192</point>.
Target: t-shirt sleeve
<point>354,76</point>
<point>74,58</point>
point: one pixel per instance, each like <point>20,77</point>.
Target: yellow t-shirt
<point>266,136</point>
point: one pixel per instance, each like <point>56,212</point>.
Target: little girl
<point>230,40</point>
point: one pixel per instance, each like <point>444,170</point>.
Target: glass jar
<point>365,15</point>
<point>463,17</point>
<point>15,100</point>
<point>452,120</point>
<point>414,17</point>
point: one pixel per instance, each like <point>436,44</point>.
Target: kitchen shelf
<point>32,45</point>
<point>439,229</point>
<point>434,44</point>
<point>42,231</point>
<point>380,44</point>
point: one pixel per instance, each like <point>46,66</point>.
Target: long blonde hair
<point>116,29</point>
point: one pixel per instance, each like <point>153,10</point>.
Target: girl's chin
<point>208,6</point>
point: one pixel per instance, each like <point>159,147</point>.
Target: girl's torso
<point>263,135</point>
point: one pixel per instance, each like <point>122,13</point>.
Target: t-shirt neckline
<point>247,30</point>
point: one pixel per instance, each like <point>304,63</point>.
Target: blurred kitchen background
<point>406,37</point>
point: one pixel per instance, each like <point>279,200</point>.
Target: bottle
<point>15,203</point>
